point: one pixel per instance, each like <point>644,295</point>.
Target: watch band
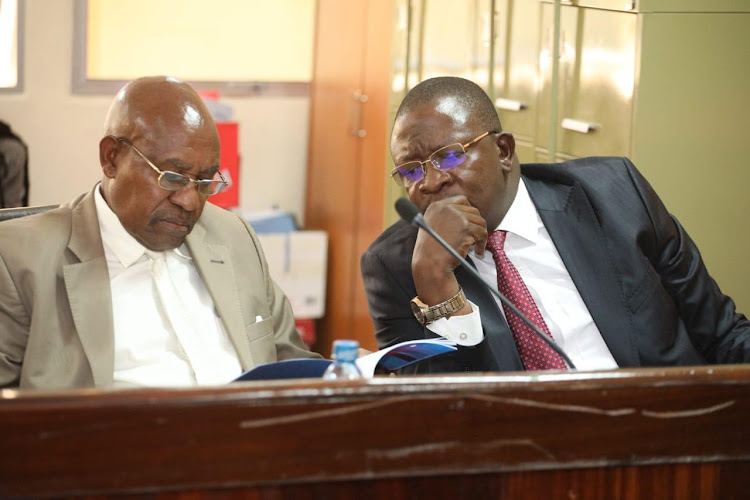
<point>427,314</point>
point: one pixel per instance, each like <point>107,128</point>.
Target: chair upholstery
<point>13,213</point>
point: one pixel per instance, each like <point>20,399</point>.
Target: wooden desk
<point>666,433</point>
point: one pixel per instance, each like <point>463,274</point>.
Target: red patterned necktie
<point>534,352</point>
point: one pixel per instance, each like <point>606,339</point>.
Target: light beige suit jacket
<point>56,328</point>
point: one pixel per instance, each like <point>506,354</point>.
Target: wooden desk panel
<point>597,434</point>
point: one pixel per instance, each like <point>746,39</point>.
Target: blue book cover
<point>379,362</point>
<point>288,368</point>
<point>407,353</point>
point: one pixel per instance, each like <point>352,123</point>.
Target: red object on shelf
<point>306,329</point>
<point>229,163</point>
<point>212,95</point>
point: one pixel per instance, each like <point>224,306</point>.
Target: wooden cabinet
<point>456,39</point>
<point>666,84</point>
<point>596,81</point>
<point>515,80</point>
<point>347,152</point>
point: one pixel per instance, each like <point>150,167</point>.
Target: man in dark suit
<point>585,248</point>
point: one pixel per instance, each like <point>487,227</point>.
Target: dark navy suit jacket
<point>637,270</point>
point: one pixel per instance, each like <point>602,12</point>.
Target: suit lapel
<point>215,267</point>
<point>494,325</point>
<point>580,241</point>
<point>89,295</point>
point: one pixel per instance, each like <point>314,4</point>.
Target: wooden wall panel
<point>345,170</point>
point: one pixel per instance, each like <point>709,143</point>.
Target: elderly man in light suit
<point>140,281</point>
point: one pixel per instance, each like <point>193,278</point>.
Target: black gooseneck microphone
<point>411,214</point>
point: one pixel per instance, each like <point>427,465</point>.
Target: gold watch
<point>427,314</point>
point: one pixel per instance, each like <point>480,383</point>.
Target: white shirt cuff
<point>465,330</point>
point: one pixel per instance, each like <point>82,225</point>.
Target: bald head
<point>149,106</point>
<point>459,93</point>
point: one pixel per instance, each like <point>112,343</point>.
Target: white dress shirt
<point>529,247</point>
<point>148,351</point>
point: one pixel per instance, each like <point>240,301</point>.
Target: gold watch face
<point>418,312</point>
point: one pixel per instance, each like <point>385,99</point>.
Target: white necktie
<point>192,344</point>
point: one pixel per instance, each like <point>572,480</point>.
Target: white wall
<point>63,130</point>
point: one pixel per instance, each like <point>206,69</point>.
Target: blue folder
<point>288,368</point>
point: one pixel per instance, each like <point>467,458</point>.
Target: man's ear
<point>507,145</point>
<point>108,148</point>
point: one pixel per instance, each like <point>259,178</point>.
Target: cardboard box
<point>298,262</point>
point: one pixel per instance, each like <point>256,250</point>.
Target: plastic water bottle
<point>343,367</point>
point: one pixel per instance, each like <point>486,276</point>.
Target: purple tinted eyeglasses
<point>448,157</point>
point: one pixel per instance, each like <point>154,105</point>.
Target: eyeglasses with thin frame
<point>172,181</point>
<point>448,157</point>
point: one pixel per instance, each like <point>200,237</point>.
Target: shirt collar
<point>522,218</point>
<point>126,248</point>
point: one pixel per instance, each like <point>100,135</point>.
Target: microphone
<point>411,214</point>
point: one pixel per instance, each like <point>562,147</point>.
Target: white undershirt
<point>529,247</point>
<point>147,349</point>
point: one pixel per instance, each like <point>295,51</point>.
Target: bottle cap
<point>345,350</point>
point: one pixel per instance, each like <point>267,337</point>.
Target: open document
<point>379,362</point>
<point>404,354</point>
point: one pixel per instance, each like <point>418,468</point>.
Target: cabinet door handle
<point>509,104</point>
<point>355,114</point>
<point>578,125</point>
